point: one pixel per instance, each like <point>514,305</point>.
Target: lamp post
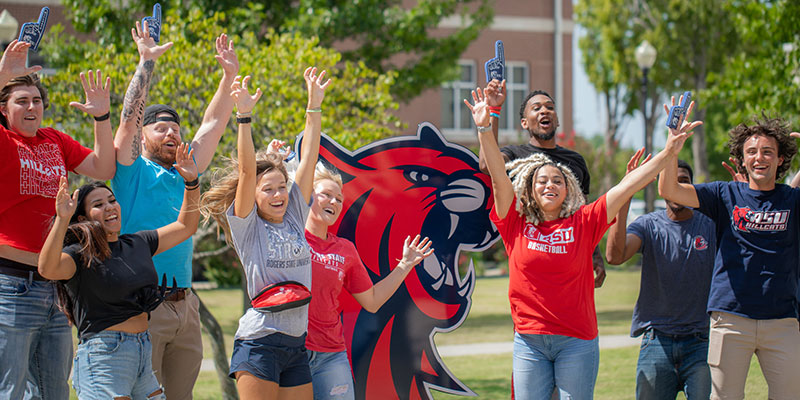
<point>645,58</point>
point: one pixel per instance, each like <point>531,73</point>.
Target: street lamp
<point>646,57</point>
<point>8,27</point>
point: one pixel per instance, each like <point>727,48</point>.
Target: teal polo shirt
<point>150,197</point>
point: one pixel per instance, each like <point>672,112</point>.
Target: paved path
<point>474,349</point>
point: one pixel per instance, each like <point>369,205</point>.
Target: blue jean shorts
<point>276,358</point>
<point>331,375</point>
<point>114,364</point>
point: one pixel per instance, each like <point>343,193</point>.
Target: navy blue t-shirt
<point>677,263</point>
<point>756,270</point>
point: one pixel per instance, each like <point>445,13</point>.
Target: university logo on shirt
<point>40,169</point>
<point>700,243</point>
<point>746,220</point>
<point>554,243</point>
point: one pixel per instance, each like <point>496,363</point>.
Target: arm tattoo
<point>135,98</point>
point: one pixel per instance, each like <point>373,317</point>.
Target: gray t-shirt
<point>272,253</point>
<point>677,264</point>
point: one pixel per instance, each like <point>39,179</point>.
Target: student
<point>677,247</point>
<point>336,265</point>
<point>263,215</point>
<point>34,158</point>
<point>549,236</point>
<point>108,284</point>
<point>753,296</point>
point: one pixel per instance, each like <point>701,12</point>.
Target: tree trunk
<point>211,326</point>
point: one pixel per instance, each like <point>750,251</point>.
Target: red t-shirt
<point>335,264</point>
<point>29,174</point>
<point>551,281</point>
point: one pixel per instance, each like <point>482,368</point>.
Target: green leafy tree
<point>386,35</point>
<point>693,39</point>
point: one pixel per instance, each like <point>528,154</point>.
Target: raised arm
<point>173,234</point>
<point>310,149</point>
<point>218,113</point>
<point>495,94</point>
<point>668,186</point>
<point>128,140</point>
<point>640,177</point>
<point>99,164</point>
<point>620,246</point>
<point>54,264</point>
<point>14,62</point>
<point>414,251</point>
<point>495,163</point>
<point>246,189</point>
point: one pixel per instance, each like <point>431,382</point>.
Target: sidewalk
<point>474,349</point>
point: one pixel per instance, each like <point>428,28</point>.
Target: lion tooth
<point>453,224</point>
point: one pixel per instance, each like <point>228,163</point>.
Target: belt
<point>19,270</point>
<point>178,295</point>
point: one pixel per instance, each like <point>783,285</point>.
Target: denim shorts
<point>114,364</point>
<point>331,375</point>
<point>276,358</point>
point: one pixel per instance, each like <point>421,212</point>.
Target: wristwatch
<point>482,129</point>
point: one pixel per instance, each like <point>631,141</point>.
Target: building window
<point>517,88</point>
<point>456,115</point>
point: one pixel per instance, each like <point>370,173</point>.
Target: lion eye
<point>417,176</point>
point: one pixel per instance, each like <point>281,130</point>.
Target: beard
<point>544,136</point>
<point>158,153</point>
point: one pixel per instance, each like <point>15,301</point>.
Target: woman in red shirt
<point>549,235</point>
<point>335,264</point>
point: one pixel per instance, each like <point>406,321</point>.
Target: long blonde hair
<point>217,199</point>
<point>522,172</point>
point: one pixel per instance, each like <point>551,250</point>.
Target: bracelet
<point>494,114</point>
<point>247,114</point>
<point>192,188</point>
<point>243,120</point>
<point>495,109</point>
<point>312,110</point>
<point>194,182</point>
<point>482,129</point>
<point>103,117</point>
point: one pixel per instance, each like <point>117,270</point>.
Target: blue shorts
<point>276,358</point>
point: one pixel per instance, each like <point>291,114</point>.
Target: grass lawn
<point>489,320</point>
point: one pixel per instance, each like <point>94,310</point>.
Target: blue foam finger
<point>677,112</point>
<point>32,32</point>
<point>154,23</point>
<point>496,67</point>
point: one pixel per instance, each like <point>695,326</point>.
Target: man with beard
<point>150,192</point>
<point>538,116</point>
<point>678,247</point>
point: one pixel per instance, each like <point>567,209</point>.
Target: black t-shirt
<point>571,159</point>
<point>110,292</point>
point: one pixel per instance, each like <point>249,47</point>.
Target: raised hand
<point>98,95</point>
<point>65,205</point>
<point>14,61</point>
<point>184,163</point>
<point>733,169</point>
<point>146,45</point>
<point>633,163</point>
<point>414,251</point>
<point>277,147</point>
<point>226,56</point>
<point>480,111</point>
<point>316,87</point>
<point>495,93</point>
<point>677,137</point>
<point>241,96</point>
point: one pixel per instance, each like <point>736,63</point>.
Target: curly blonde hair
<point>217,199</point>
<point>522,173</point>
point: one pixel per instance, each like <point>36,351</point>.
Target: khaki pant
<point>733,340</point>
<point>177,345</point>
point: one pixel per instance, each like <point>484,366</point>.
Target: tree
<point>693,40</point>
<point>383,34</point>
<point>358,106</point>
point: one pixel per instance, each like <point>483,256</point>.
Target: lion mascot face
<point>408,185</point>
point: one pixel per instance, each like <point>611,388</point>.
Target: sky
<point>589,110</point>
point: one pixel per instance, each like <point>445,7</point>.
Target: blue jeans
<point>331,375</point>
<point>35,342</point>
<point>542,362</point>
<point>114,364</point>
<point>668,364</point>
